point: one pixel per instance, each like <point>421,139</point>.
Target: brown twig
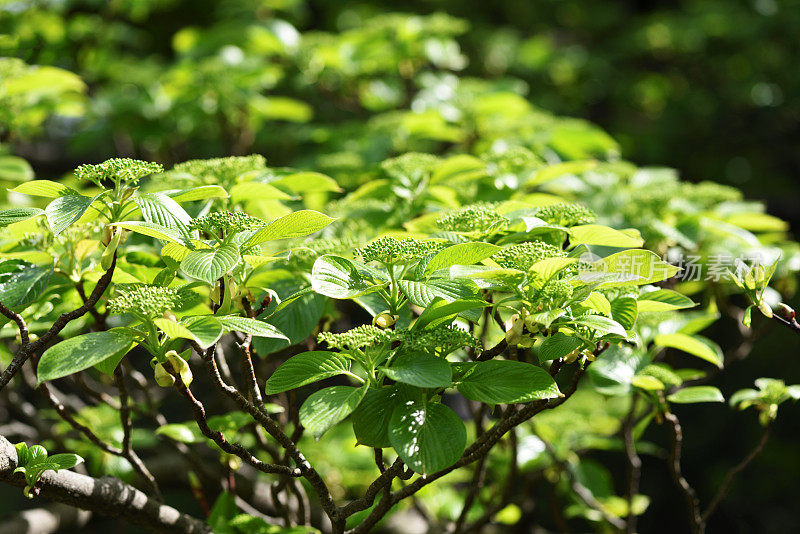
<point>26,350</point>
<point>127,427</point>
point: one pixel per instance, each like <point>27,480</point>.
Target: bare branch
<point>107,496</point>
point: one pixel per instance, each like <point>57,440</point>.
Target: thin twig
<point>127,428</point>
<point>741,466</point>
<point>689,494</point>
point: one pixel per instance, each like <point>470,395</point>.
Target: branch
<point>741,466</point>
<point>127,426</point>
<point>107,495</point>
<point>272,428</point>
<point>634,466</point>
<point>697,523</point>
<point>29,349</point>
<point>231,448</point>
<point>17,318</point>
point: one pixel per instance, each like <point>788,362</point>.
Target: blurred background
<point>709,87</point>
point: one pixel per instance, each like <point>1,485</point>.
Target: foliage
<point>447,281</point>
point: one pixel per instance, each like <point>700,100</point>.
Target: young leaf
<point>297,224</point>
<point>695,394</point>
<point>698,346</point>
<point>420,369</point>
<point>305,368</point>
<point>337,277</point>
<point>44,188</point>
<point>664,300</point>
<point>427,436</point>
<point>423,293</point>
<point>558,346</point>
<point>63,211</point>
<point>440,311</point>
<point>80,352</point>
<point>624,311</point>
<point>460,254</point>
<point>253,327</point>
<point>15,215</point>
<point>329,406</point>
<point>596,234</point>
<point>205,329</point>
<point>210,265</point>
<point>602,326</point>
<point>371,418</point>
<point>506,382</point>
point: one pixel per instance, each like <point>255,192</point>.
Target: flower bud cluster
<point>226,222</point>
<point>356,338</point>
<point>474,218</point>
<point>566,214</point>
<point>524,255</point>
<point>222,169</point>
<point>118,169</point>
<point>413,165</point>
<point>444,339</point>
<point>149,301</point>
<point>390,250</point>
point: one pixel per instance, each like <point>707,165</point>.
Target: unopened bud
<point>572,356</point>
<point>163,378</point>
<point>786,312</point>
<point>765,309</point>
<point>385,320</point>
<point>180,366</point>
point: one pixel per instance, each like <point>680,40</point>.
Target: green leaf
<point>596,234</point>
<point>634,267</point>
<point>180,432</point>
<point>329,406</point>
<point>15,215</point>
<point>423,293</point>
<point>506,382</point>
<point>695,394</point>
<point>460,168</point>
<point>64,211</point>
<point>305,368</point>
<point>649,383</point>
<point>157,231</point>
<point>337,277</point>
<point>624,310</point>
<point>427,436</point>
<point>15,169</point>
<point>197,193</point>
<point>420,369</point>
<point>371,418</point>
<point>158,208</point>
<point>460,254</point>
<point>22,282</point>
<point>253,327</point>
<point>64,460</point>
<point>297,319</point>
<point>558,346</point>
<point>307,182</point>
<point>598,302</point>
<point>664,300</point>
<point>44,188</point>
<point>699,346</point>
<point>442,312</point>
<point>602,326</point>
<point>297,224</point>
<point>108,365</point>
<point>248,191</point>
<point>210,265</point>
<point>205,329</point>
<point>79,353</point>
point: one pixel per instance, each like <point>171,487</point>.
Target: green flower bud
<point>163,378</point>
<point>385,320</point>
<point>180,366</point>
